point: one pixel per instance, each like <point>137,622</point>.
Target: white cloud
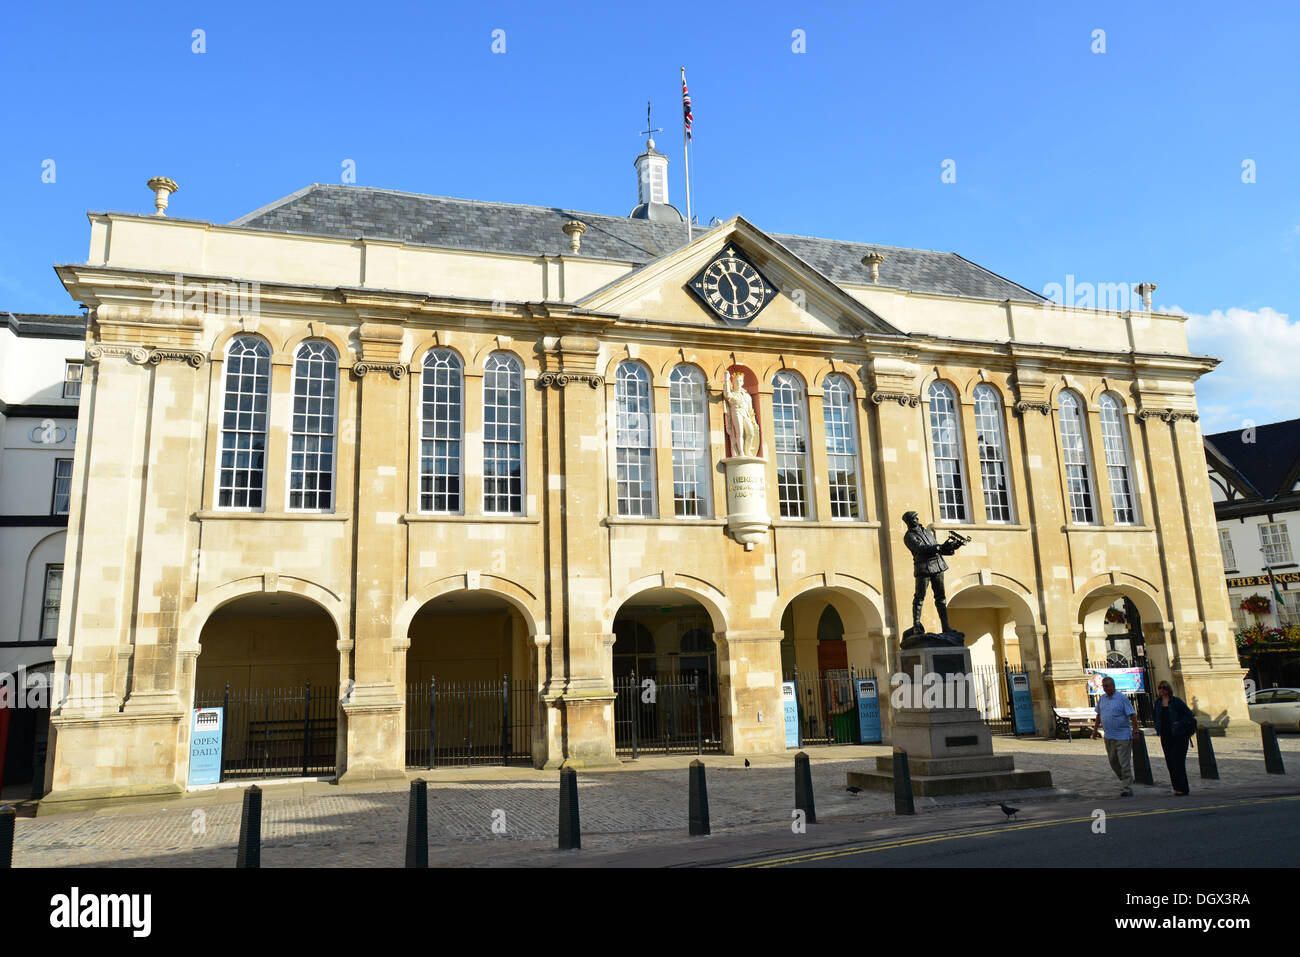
<point>1257,379</point>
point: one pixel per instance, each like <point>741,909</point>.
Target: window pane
<point>991,439</point>
<point>1117,461</point>
<point>441,431</point>
<point>51,601</point>
<point>1075,454</point>
<point>690,434</point>
<point>311,453</point>
<point>247,384</point>
<point>841,446</point>
<point>790,439</point>
<point>62,485</point>
<point>503,452</point>
<point>946,442</point>
<point>634,458</point>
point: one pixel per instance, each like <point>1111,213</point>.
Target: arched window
<point>311,451</point>
<point>690,438</point>
<point>945,442</point>
<point>633,441</point>
<point>790,437</point>
<point>442,425</point>
<point>241,478</point>
<point>991,439</point>
<point>841,446</point>
<point>1074,451</point>
<point>1118,460</point>
<point>503,435</point>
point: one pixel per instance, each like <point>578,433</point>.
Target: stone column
<point>580,712</point>
<point>749,691</point>
<point>376,710</point>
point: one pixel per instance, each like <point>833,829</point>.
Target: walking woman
<point>1175,724</point>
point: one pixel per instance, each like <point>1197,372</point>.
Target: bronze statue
<point>929,566</point>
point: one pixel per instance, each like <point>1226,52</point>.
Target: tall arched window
<point>1118,469</point>
<point>633,441</point>
<point>442,424</point>
<point>690,438</point>
<point>945,443</point>
<point>841,446</point>
<point>991,439</point>
<point>503,434</point>
<point>241,478</point>
<point>790,437</point>
<point>1074,451</point>
<point>311,451</point>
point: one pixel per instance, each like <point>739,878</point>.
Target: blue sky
<point>1122,166</point>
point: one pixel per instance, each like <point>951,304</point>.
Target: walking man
<point>1116,715</point>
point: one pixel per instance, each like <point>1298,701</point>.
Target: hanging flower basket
<point>1255,605</point>
<point>1115,616</point>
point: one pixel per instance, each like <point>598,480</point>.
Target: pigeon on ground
<point>1008,811</point>
<point>852,790</point>
<point>746,762</point>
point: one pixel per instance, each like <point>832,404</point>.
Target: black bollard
<point>699,800</point>
<point>1142,761</point>
<point>1272,753</point>
<point>803,789</point>
<point>250,829</point>
<point>570,829</point>
<point>903,801</point>
<point>417,825</point>
<point>1205,754</point>
<point>7,815</point>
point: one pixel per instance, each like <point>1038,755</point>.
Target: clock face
<point>732,287</point>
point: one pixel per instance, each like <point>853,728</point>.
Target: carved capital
<point>902,398</point>
<point>1044,407</point>
<point>394,369</point>
<point>139,355</point>
<point>192,359</point>
<point>559,380</point>
<point>1168,415</point>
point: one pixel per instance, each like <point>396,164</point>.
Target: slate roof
<point>1268,463</point>
<point>44,325</point>
<point>354,211</point>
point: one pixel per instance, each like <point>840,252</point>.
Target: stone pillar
<point>749,692</point>
<point>376,709</point>
<point>580,705</point>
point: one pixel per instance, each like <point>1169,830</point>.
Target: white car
<point>1280,706</point>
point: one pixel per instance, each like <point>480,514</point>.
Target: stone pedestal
<point>747,518</point>
<point>949,748</point>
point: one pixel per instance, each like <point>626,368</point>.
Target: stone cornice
<point>558,380</point>
<point>902,398</point>
<point>1168,415</point>
<point>139,355</point>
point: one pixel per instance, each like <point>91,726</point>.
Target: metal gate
<point>470,722</point>
<point>828,704</point>
<point>276,730</point>
<point>663,715</point>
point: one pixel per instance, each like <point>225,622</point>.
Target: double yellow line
<point>986,831</point>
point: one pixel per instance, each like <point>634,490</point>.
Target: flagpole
<point>686,148</point>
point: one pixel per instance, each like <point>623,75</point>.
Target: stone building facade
<point>439,437</point>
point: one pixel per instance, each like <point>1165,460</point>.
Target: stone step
<point>933,766</point>
<point>945,785</point>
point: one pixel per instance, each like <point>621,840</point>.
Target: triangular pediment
<point>803,300</point>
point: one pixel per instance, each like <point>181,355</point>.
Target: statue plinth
<point>747,518</point>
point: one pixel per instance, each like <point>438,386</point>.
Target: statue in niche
<point>742,426</point>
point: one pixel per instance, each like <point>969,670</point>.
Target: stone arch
<point>440,340</point>
<point>859,604</point>
<point>513,593</point>
<point>691,359</point>
<point>713,600</point>
<point>479,360</point>
<point>211,601</point>
<point>340,345</point>
<point>1019,598</point>
<point>222,342</point>
<point>860,391</point>
<point>1144,594</point>
<point>1072,383</point>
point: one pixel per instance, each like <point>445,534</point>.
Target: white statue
<point>742,426</point>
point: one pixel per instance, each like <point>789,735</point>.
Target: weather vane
<point>648,131</point>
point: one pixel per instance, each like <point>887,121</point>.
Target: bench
<point>1069,720</point>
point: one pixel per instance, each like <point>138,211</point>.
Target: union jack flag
<point>686,107</point>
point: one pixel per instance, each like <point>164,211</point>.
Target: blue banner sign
<point>1127,680</point>
<point>790,705</point>
<point>205,746</point>
<point>1022,704</point>
<point>868,711</point>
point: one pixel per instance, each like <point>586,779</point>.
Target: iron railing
<point>828,704</point>
<point>665,714</point>
<point>276,730</point>
<point>470,722</point>
<point>1143,702</point>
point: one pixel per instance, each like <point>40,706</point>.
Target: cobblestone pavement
<point>323,825</point>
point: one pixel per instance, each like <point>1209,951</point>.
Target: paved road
<point>1228,834</point>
